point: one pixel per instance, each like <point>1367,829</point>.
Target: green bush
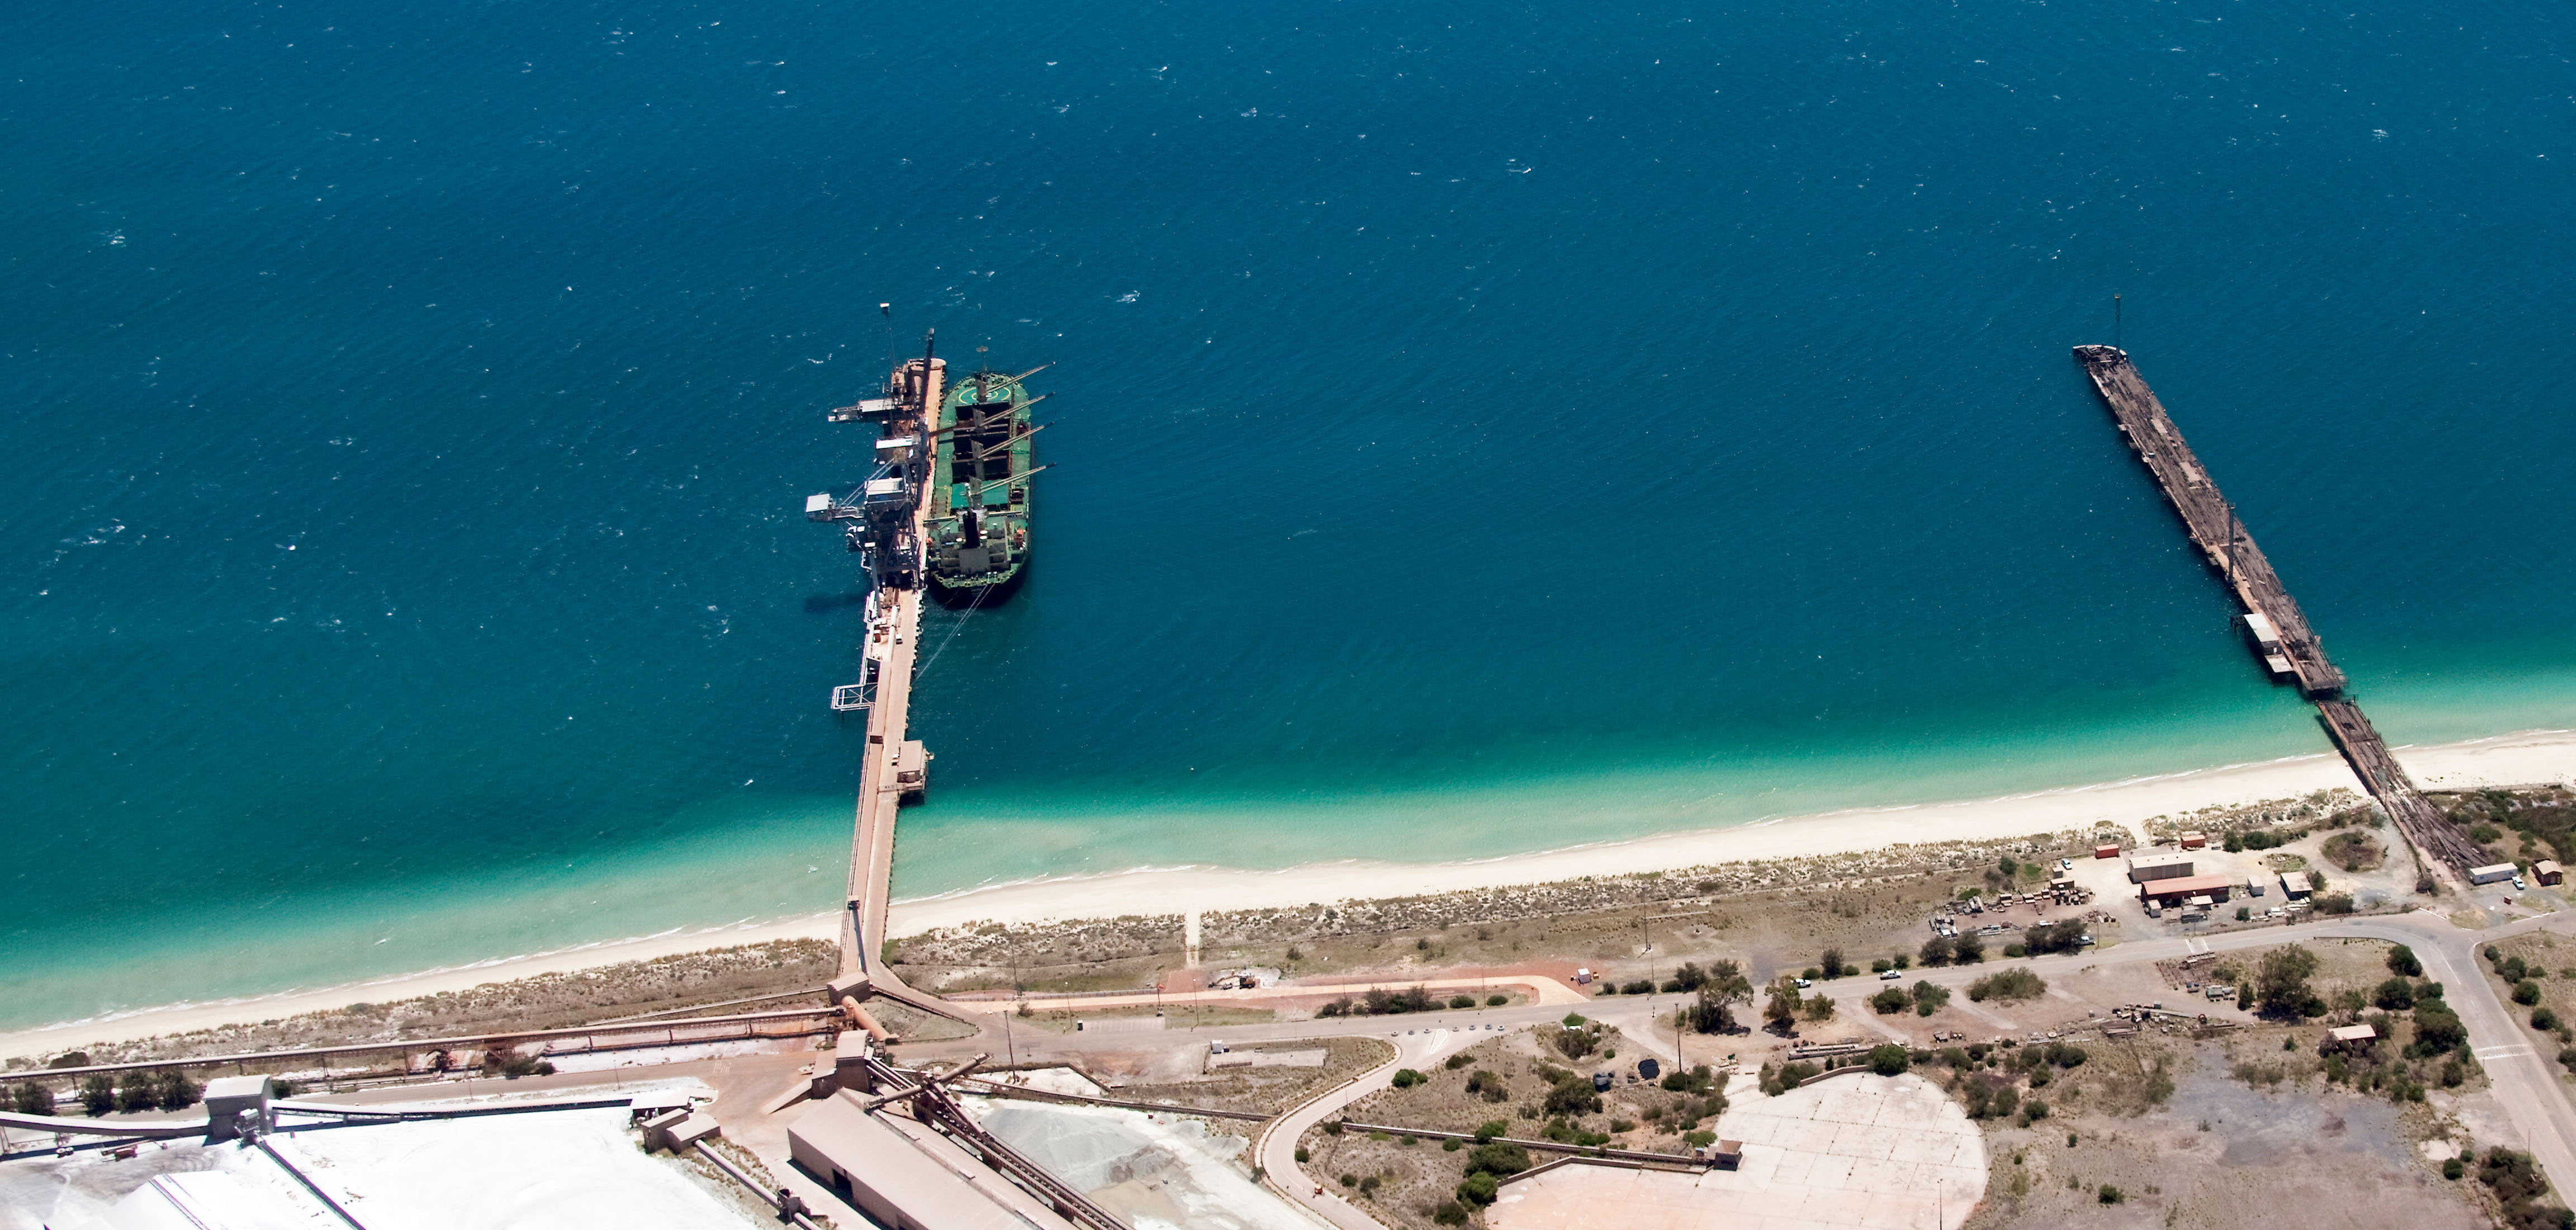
<point>1497,1001</point>
<point>2544,1020</point>
<point>1462,1001</point>
<point>2403,963</point>
<point>1890,1001</point>
<point>1498,1158</point>
<point>2010,985</point>
<point>1450,1213</point>
<point>30,1098</point>
<point>1891,1059</point>
<point>2453,1168</point>
<point>2109,1195</point>
<point>2526,992</point>
<point>1573,1020</point>
<point>1407,1078</point>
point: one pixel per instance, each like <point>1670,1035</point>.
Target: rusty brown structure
<point>2295,650</point>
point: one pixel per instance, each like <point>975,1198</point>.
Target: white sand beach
<point>2517,759</point>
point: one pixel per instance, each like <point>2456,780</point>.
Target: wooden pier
<point>2273,621</point>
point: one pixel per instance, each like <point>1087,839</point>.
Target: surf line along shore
<point>2272,618</point>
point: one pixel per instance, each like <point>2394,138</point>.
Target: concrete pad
<point>1853,1153</point>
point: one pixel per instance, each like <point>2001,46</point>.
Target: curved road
<point>1275,1148</point>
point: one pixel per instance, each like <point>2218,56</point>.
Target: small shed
<point>2254,885</point>
<point>2349,1037</point>
<point>2547,871</point>
<point>2107,850</point>
<point>2195,841</point>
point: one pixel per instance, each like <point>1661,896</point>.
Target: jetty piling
<point>2272,618</point>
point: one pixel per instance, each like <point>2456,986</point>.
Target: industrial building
<point>2177,890</point>
<point>2158,866</point>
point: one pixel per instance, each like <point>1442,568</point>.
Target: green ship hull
<point>978,533</point>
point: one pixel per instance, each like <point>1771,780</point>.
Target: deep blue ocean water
<point>1479,429</point>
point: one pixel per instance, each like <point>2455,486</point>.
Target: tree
<point>140,1091</point>
<point>1781,1012</point>
<point>98,1094</point>
<point>2053,937</point>
<point>1890,1060</point>
<point>1968,949</point>
<point>2281,981</point>
<point>1929,998</point>
<point>1721,987</point>
<point>2395,995</point>
<point>1497,1157</point>
<point>1832,963</point>
<point>1479,1189</point>
<point>1891,1001</point>
<point>2437,1028</point>
<point>177,1092</point>
<point>1937,950</point>
<point>1407,1078</point>
<point>2402,962</point>
<point>1690,977</point>
<point>31,1098</point>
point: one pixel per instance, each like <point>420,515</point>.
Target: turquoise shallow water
<point>1477,431</point>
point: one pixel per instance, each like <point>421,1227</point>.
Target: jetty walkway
<point>2278,627</point>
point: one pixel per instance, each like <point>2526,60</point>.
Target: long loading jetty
<point>2273,620</point>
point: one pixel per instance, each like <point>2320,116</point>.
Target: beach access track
<point>2294,647</point>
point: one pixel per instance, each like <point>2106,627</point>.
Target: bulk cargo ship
<point>976,539</point>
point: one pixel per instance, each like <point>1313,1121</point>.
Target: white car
<point>2519,886</point>
<point>1803,984</point>
<point>2066,864</point>
<point>1891,975</point>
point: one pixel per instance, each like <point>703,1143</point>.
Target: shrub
<point>1339,1007</point>
<point>1890,1002</point>
<point>2053,937</point>
<point>1455,1062</point>
<point>2403,963</point>
<point>2453,1168</point>
<point>2526,992</point>
<point>2015,951</point>
<point>1968,949</point>
<point>1490,1129</point>
<point>1573,1020</point>
<point>1497,1001</point>
<point>176,1091</point>
<point>2034,1110</point>
<point>2109,1195</point>
<point>2437,1028</point>
<point>1573,1096</point>
<point>2394,995</point>
<point>2544,1020</point>
<point>1938,950</point>
<point>1407,1078</point>
<point>30,1098</point>
<point>1832,963</point>
<point>1637,986</point>
<point>1929,998</point>
<point>1890,1060</point>
<point>2010,985</point>
<point>1450,1213</point>
<point>1301,1153</point>
<point>2242,913</point>
<point>1498,1158</point>
<point>140,1091</point>
<point>1462,1001</point>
